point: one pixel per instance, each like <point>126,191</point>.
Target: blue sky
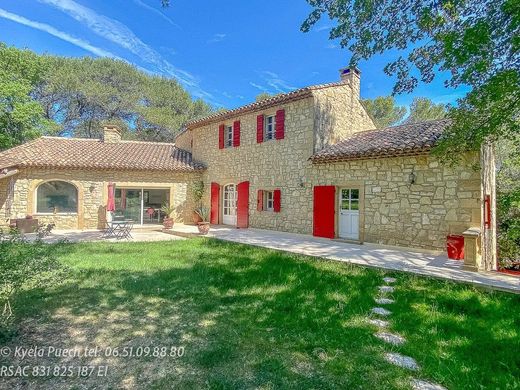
<point>225,52</point>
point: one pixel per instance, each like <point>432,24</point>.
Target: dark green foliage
<point>21,117</point>
<point>23,266</point>
<point>476,41</point>
<point>508,202</point>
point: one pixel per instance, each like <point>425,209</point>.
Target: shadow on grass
<point>248,317</point>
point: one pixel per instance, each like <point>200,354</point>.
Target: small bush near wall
<point>508,203</point>
<point>24,266</point>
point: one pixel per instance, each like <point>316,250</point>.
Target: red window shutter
<point>260,200</point>
<point>277,201</point>
<point>236,134</point>
<point>279,132</point>
<point>215,203</point>
<point>324,211</point>
<point>243,205</point>
<point>260,129</point>
<point>221,137</point>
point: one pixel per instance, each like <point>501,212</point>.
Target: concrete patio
<point>392,258</point>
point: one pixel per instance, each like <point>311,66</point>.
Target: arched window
<point>56,197</point>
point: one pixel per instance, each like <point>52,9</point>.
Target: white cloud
<point>276,82</point>
<point>57,33</point>
<point>217,38</point>
<point>118,33</point>
<point>258,86</point>
<point>156,11</point>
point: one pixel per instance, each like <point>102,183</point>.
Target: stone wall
<point>92,193</point>
<point>394,212</point>
<point>442,200</point>
<point>268,165</point>
<point>338,114</point>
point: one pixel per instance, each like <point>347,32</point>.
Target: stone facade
<point>92,186</point>
<point>392,211</point>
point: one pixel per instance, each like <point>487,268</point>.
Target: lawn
<point>253,318</point>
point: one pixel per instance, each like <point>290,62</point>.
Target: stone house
<point>308,161</point>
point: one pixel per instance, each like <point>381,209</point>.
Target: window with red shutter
<point>260,128</point>
<point>260,201</point>
<point>277,201</point>
<point>221,136</point>
<point>236,134</point>
<point>280,124</point>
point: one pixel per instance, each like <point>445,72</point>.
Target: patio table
<point>119,229</point>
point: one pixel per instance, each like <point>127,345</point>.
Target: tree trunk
<point>488,224</point>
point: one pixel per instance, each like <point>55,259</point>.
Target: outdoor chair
<point>108,231</point>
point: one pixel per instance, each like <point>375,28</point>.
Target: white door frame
<point>229,219</point>
<point>349,219</point>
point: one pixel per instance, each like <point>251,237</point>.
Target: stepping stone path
<point>378,323</point>
<point>384,301</point>
<point>381,311</point>
<point>391,338</point>
<point>386,289</point>
<point>402,361</point>
<point>418,384</point>
<point>396,340</point>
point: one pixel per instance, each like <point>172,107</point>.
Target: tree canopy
<point>21,117</point>
<point>476,41</point>
<point>76,96</point>
<point>385,112</point>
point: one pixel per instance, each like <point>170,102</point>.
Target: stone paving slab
<point>384,301</point>
<point>381,311</point>
<point>379,323</point>
<point>386,289</point>
<point>389,280</point>
<point>391,338</point>
<point>418,384</point>
<point>402,361</point>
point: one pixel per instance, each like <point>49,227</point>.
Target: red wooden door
<point>215,202</point>
<point>243,205</point>
<point>324,211</point>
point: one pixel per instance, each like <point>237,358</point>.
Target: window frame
<point>36,212</point>
<point>266,201</point>
<point>266,127</point>
<point>229,133</point>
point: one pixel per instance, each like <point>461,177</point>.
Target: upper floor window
<point>228,136</point>
<point>270,126</point>
<point>56,197</point>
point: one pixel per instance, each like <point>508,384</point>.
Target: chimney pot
<point>111,134</point>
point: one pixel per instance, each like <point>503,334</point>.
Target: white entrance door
<point>229,205</point>
<point>349,213</point>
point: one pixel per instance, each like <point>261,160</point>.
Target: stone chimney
<point>352,76</point>
<point>111,134</point>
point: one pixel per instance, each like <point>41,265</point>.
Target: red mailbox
<point>455,247</point>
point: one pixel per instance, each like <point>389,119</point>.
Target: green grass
<point>256,318</point>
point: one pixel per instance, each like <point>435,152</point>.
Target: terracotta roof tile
<point>263,104</point>
<point>59,152</point>
<point>404,140</point>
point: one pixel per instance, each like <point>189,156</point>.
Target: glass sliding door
<point>128,204</point>
<point>141,205</point>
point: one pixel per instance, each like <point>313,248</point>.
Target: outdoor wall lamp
<point>412,177</point>
<point>302,183</point>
